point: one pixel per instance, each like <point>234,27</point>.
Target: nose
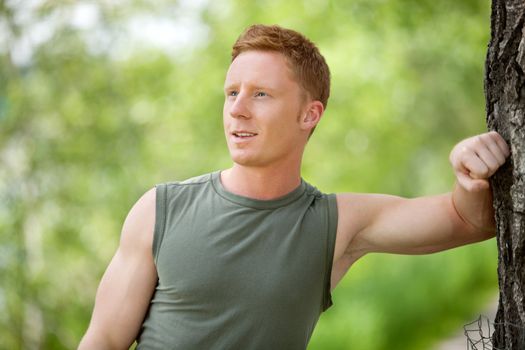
<point>238,106</point>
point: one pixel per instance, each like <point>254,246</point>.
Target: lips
<point>243,134</point>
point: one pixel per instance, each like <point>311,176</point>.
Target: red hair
<point>305,60</point>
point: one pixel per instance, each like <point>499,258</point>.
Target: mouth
<point>243,134</point>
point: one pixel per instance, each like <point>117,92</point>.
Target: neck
<point>259,182</point>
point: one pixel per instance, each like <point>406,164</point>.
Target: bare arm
<point>383,223</point>
<point>474,160</point>
<point>125,290</point>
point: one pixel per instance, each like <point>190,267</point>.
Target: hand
<point>475,159</point>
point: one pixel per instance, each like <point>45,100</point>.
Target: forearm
<point>475,209</point>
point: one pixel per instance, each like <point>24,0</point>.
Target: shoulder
<point>139,223</point>
<point>176,193</point>
<point>196,180</point>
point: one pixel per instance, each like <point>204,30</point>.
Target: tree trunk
<point>505,103</point>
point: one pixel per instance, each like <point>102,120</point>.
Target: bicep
<point>125,290</point>
<point>383,223</point>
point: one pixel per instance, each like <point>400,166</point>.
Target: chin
<point>245,159</point>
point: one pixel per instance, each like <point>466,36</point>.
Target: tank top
<point>235,272</point>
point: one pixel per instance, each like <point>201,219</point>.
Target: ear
<point>311,115</point>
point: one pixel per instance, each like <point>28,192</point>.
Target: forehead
<point>260,67</point>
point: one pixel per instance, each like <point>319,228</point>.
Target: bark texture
<point>505,103</point>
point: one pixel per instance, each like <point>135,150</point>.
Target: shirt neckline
<point>256,203</point>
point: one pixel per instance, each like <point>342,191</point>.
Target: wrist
<point>475,209</point>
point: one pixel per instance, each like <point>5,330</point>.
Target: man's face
<point>261,110</point>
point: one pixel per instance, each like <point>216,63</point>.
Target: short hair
<point>306,62</point>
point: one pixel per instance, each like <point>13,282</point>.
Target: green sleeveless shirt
<point>236,272</point>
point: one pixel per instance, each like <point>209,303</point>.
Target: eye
<point>232,93</point>
<point>261,94</point>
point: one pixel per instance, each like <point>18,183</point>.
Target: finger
<point>489,158</point>
<point>490,140</point>
<point>474,166</point>
<point>470,184</point>
<point>496,152</point>
<point>500,142</point>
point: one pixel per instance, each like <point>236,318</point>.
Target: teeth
<point>244,134</point>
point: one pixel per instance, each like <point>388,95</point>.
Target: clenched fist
<point>475,159</point>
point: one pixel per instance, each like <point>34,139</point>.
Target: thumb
<point>470,184</point>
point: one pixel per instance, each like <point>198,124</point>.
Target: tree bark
<point>505,105</point>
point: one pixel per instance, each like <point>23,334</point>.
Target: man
<point>246,258</point>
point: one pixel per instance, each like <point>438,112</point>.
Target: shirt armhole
<point>160,218</point>
<point>330,247</point>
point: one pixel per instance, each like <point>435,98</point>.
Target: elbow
<point>92,341</point>
<point>100,341</point>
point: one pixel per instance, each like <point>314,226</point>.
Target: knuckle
<point>478,141</point>
<point>485,172</point>
<point>493,168</point>
<point>464,151</point>
<point>491,135</point>
<point>496,138</point>
<point>496,135</point>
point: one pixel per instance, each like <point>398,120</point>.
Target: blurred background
<point>99,101</point>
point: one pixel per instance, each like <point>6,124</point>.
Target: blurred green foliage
<point>91,117</point>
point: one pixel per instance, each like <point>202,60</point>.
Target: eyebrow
<point>253,87</point>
